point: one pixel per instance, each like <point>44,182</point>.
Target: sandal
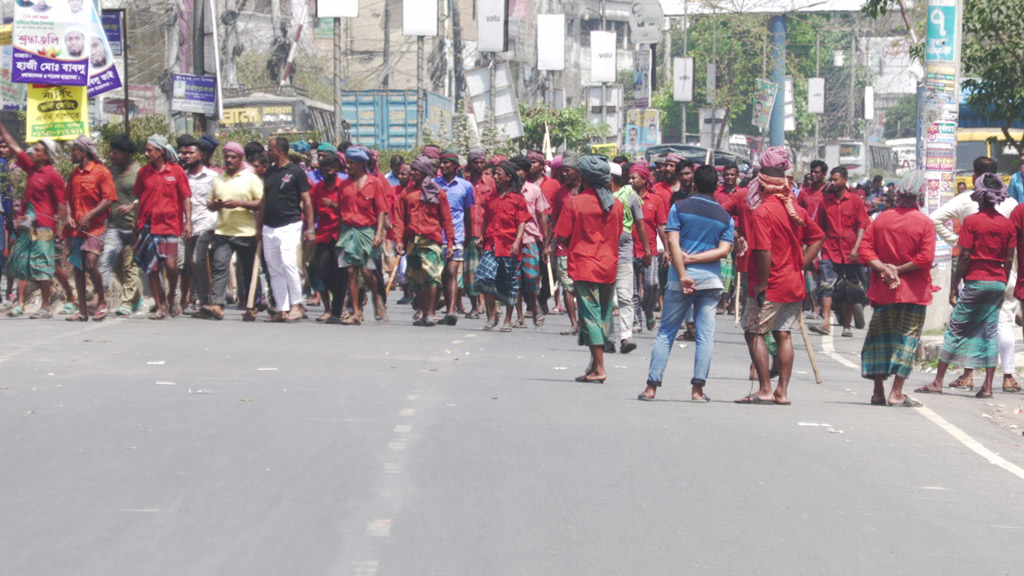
<point>16,312</point>
<point>77,317</point>
<point>1010,385</point>
<point>124,311</point>
<point>279,318</point>
<point>158,315</point>
<point>100,314</point>
<point>473,315</point>
<point>43,314</point>
<point>489,325</point>
<point>538,320</point>
<point>323,317</point>
<point>521,323</point>
<point>350,321</point>
<point>175,311</point>
<point>212,312</point>
<point>68,308</point>
<point>507,327</point>
<point>569,332</point>
<point>959,383</point>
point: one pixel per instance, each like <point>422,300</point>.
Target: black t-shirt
<point>282,189</point>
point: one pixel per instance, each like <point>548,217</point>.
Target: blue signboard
<point>112,29</point>
<point>197,94</point>
<point>940,43</point>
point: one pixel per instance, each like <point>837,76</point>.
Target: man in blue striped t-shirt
<point>700,234</point>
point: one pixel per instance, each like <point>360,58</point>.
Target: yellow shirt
<point>244,186</point>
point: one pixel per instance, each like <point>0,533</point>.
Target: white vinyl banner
<point>869,103</point>
<point>419,17</point>
<point>491,25</point>
<point>816,95</point>
<point>682,79</point>
<point>337,8</point>
<point>551,41</point>
<point>602,56</point>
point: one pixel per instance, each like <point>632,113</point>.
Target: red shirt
<point>722,196</point>
<point>503,215</point>
<point>361,208</point>
<point>1017,219</point>
<point>989,236</point>
<point>86,189</point>
<point>737,206</point>
<point>776,233</point>
<point>593,237</point>
<point>482,190</point>
<point>840,220</point>
<point>44,190</point>
<point>561,196</point>
<point>810,200</point>
<point>654,215</point>
<point>898,236</point>
<point>549,187</point>
<point>326,218</point>
<point>393,198</point>
<point>161,195</point>
<point>416,217</point>
<point>664,191</point>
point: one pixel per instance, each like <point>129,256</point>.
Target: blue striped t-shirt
<point>701,223</point>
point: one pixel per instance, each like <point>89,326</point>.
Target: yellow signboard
<point>5,34</point>
<point>57,112</point>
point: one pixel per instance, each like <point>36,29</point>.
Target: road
<point>194,448</point>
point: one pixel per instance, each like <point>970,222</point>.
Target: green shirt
<point>124,183</point>
<point>632,208</point>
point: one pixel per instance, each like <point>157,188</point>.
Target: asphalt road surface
<point>196,448</point>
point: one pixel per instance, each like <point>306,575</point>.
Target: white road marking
<point>397,446</point>
<point>403,428</point>
<point>381,528</point>
<point>390,468</point>
<point>365,568</point>
<point>407,412</point>
<point>961,436</point>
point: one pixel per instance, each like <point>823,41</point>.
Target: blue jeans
<point>703,303</point>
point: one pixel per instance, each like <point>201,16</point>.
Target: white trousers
<point>281,254</point>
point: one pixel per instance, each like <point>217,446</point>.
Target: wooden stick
<point>810,350</point>
<point>255,277</point>
<point>551,278</point>
<point>736,304</point>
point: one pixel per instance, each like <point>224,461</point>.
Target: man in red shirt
<point>363,213</point>
<point>90,194</point>
<point>326,199</point>
<point>589,225</point>
<point>843,218</point>
<point>423,213</point>
<point>668,180</point>
<point>483,189</point>
<point>987,244</point>
<point>505,217</point>
<point>572,183</point>
<point>164,204</point>
<point>776,287</point>
<point>899,246</point>
<point>810,198</point>
<point>645,268</point>
<point>43,210</point>
<point>729,188</point>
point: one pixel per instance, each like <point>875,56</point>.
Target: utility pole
<point>457,85</point>
<point>420,95</point>
<point>338,121</point>
<point>686,48</point>
<point>604,85</point>
<point>384,80</point>
<point>199,52</point>
<point>817,74</point>
<point>853,84</point>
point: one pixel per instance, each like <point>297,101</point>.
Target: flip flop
<point>521,323</point>
<point>100,314</point>
<point>643,398</point>
<point>981,394</point>
<point>158,315</point>
<point>908,402</point>
<point>753,399</point>
<point>43,314</point>
<point>923,390</point>
<point>507,327</point>
<point>584,378</point>
<point>959,383</point>
<point>212,312</point>
<point>16,312</point>
<point>881,402</point>
<point>350,321</point>
<point>706,399</point>
<point>786,403</point>
<point>76,317</point>
<point>538,320</point>
<point>567,333</point>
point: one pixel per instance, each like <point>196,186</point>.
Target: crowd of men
<point>620,247</point>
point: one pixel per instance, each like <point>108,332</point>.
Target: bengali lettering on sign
<point>196,94</point>
<point>57,112</point>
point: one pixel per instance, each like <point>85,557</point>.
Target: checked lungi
<point>972,337</point>
<point>890,346</point>
<point>498,275</point>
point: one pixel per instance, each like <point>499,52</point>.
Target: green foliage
<point>901,119</point>
<point>993,61</point>
<point>568,127</point>
<point>142,127</point>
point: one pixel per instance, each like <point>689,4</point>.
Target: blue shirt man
<point>459,191</point>
<point>700,233</point>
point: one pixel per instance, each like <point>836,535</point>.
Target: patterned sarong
<point>33,255</point>
<point>150,249</point>
<point>469,267</point>
<point>356,249</point>
<point>498,275</point>
<point>972,336</point>
<point>728,273</point>
<point>424,264</point>
<point>531,268</point>
<point>890,346</point>
<point>594,305</point>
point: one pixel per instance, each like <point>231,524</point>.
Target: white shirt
<point>201,184</point>
<point>960,207</point>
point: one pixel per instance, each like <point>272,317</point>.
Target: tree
<point>569,127</point>
<point>901,119</point>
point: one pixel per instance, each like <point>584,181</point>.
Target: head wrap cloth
<point>596,172</point>
<point>85,144</point>
<point>160,142</point>
<point>910,189</point>
<point>992,195</point>
<point>357,154</point>
<point>645,174</point>
<point>234,148</point>
<point>773,157</point>
<point>476,153</point>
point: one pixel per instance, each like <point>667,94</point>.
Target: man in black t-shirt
<point>284,210</point>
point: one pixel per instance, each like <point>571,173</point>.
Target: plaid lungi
<point>531,268</point>
<point>33,255</point>
<point>498,275</point>
<point>890,346</point>
<point>151,248</point>
<point>594,306</point>
<point>424,264</point>
<point>972,335</point>
<point>472,255</point>
<point>728,273</point>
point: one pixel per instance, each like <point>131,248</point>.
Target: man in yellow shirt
<point>236,194</point>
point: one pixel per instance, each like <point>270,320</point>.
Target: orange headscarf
<point>778,186</point>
